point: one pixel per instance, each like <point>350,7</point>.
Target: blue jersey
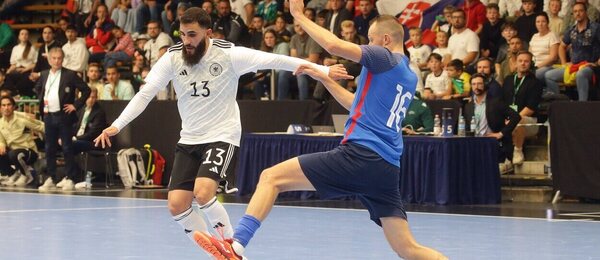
<point>384,92</point>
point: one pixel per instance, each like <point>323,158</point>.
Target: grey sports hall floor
<point>67,226</point>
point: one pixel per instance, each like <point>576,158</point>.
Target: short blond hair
<point>347,24</point>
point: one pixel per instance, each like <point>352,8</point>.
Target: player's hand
<point>338,72</point>
<point>297,7</point>
<point>104,138</point>
<point>310,71</point>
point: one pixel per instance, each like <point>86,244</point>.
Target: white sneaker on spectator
<point>83,185</point>
<point>505,167</point>
<point>61,182</point>
<point>23,180</point>
<point>518,156</point>
<point>68,185</point>
<point>48,185</point>
<point>12,179</point>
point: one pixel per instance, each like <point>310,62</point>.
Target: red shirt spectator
<point>475,14</point>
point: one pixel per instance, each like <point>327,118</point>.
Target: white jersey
<point>206,91</point>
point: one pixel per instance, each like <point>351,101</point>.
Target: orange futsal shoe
<point>219,249</point>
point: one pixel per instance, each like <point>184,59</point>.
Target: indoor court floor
<point>129,224</point>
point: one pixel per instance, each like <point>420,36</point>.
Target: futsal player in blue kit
<point>367,162</point>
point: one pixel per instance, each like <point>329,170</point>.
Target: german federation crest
<point>215,69</point>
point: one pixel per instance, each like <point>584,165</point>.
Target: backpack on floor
<point>131,167</point>
<point>154,164</point>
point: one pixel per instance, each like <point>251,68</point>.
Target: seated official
<point>490,115</point>
<point>17,146</point>
<point>419,118</point>
<point>90,123</point>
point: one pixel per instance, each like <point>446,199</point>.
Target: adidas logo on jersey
<point>183,73</point>
<point>214,169</point>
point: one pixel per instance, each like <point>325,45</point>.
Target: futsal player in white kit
<point>204,73</point>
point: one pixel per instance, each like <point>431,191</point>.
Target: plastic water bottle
<point>437,125</point>
<point>88,179</point>
<point>473,127</point>
<point>461,126</point>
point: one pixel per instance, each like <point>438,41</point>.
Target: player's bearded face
<point>192,55</point>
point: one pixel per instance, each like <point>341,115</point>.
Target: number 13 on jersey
<point>398,110</point>
<point>204,89</point>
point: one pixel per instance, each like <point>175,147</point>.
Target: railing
<point>30,106</point>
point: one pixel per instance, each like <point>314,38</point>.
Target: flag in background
<point>422,14</point>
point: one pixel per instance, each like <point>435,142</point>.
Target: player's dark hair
<point>196,15</point>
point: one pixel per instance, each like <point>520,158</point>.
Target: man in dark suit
<point>491,116</point>
<point>56,91</point>
<point>336,15</point>
<point>91,121</point>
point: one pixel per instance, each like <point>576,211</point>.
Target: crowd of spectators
<point>526,49</point>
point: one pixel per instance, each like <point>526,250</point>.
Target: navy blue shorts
<point>352,169</point>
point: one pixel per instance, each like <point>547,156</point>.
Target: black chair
<point>107,154</point>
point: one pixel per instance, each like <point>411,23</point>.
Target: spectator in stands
<point>83,16</point>
<point>123,50</point>
<point>99,36</point>
<point>244,8</point>
<point>60,35</point>
<point>139,62</point>
<point>524,93</point>
<point>441,40</point>
<point>419,52</point>
<point>274,45</point>
<point>508,66</point>
<point>281,29</point>
<point>116,89</point>
<point>493,118</point>
<point>367,13</point>
<point>207,6</point>
<point>543,46</point>
<point>22,61</point>
<point>443,23</point>
<point>510,8</point>
<point>526,23</point>
<point>94,77</point>
<point>349,34</point>
<point>556,22</point>
<point>310,13</point>
<point>437,81</point>
<point>485,66</point>
<point>154,47</point>
<point>17,147</point>
<point>337,14</point>
<point>123,15</point>
<point>491,34</point>
<point>461,87</point>
<point>475,15</point>
<point>76,52</point>
<point>42,60</point>
<point>267,9</point>
<point>145,11</point>
<point>2,78</point>
<point>90,122</point>
<point>464,43</point>
<point>583,41</point>
<point>321,18</point>
<point>318,5</point>
<point>304,47</point>
<point>592,13</point>
<point>232,25</point>
<point>418,117</point>
<point>174,33</point>
<point>57,90</point>
<point>7,39</point>
<point>256,32</point>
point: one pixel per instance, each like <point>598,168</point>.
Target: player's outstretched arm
<point>342,95</point>
<point>322,36</point>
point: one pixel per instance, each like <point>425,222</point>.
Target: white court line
<point>76,209</point>
<point>335,209</point>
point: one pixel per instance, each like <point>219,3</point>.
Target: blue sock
<point>245,229</point>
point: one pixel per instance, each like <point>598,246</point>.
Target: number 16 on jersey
<point>398,110</point>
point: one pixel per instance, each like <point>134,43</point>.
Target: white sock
<point>191,221</point>
<point>218,217</point>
